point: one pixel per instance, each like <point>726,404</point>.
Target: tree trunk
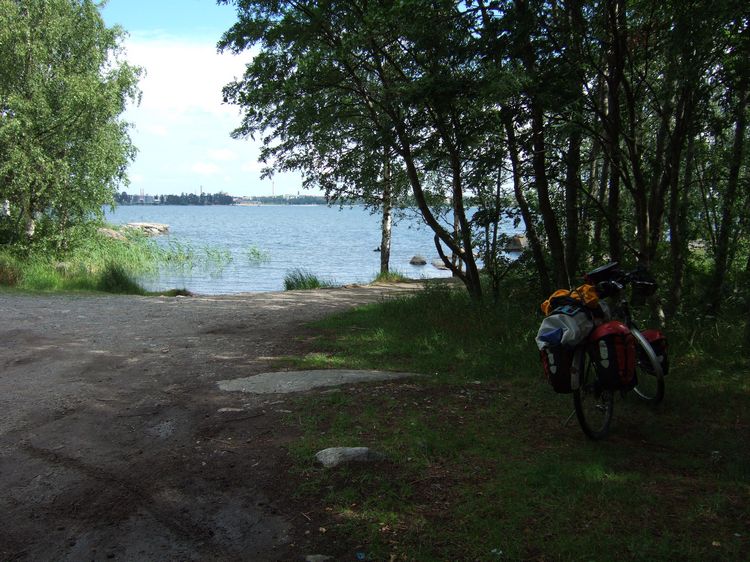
<point>613,123</point>
<point>678,210</point>
<point>746,339</point>
<point>573,187</point>
<point>716,288</point>
<point>539,154</point>
<point>386,224</point>
<point>470,277</point>
<point>528,219</point>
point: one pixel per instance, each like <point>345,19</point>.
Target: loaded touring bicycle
<point>593,349</point>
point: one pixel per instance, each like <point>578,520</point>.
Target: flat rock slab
<point>334,456</point>
<point>285,382</point>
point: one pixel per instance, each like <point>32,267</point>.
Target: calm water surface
<point>334,244</point>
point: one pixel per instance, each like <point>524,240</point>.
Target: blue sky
<point>181,127</point>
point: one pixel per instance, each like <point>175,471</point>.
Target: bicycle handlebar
<point>610,280</point>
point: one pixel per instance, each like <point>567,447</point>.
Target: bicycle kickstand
<point>570,417</point>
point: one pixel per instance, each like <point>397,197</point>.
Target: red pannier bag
<point>611,348</point>
<point>658,342</point>
<point>557,362</point>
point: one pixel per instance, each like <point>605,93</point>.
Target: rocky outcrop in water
<point>149,228</point>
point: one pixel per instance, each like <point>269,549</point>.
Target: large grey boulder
<point>418,260</point>
<point>334,456</point>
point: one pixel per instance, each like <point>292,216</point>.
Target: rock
<point>301,381</point>
<point>335,456</point>
<point>517,243</point>
<point>418,260</point>
<point>317,558</point>
<point>439,264</point>
<point>150,228</point>
<point>110,233</point>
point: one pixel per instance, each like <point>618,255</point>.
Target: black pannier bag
<point>658,343</point>
<point>611,347</point>
<point>557,362</point>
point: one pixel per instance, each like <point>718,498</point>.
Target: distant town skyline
<point>181,128</point>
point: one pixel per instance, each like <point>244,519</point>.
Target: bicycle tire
<point>650,376</point>
<point>593,404</point>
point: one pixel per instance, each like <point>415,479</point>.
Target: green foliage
<point>63,147</point>
<point>614,130</point>
<point>301,279</point>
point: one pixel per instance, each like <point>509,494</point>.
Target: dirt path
<point>115,441</point>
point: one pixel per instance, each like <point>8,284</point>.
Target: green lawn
<point>481,464</point>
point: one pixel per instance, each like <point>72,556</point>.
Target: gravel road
<point>115,441</point>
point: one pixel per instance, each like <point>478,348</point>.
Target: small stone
<point>317,558</point>
<point>334,456</point>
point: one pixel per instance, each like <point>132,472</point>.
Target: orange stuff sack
<point>585,294</point>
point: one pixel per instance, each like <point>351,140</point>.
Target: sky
<point>181,127</point>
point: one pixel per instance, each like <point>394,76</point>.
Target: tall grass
<point>301,279</point>
<point>390,277</point>
<point>94,262</point>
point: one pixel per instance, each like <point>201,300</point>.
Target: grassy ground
<point>481,464</point>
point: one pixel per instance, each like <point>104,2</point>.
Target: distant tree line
<point>285,200</point>
<point>181,199</point>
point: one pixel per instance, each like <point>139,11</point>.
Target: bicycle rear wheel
<point>650,385</point>
<point>593,403</point>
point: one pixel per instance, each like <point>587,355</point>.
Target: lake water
<point>334,244</point>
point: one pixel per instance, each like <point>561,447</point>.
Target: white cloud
<point>222,154</point>
<point>183,76</point>
<point>205,169</point>
<point>157,130</point>
<point>252,166</point>
<point>181,114</point>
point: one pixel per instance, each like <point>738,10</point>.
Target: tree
<point>63,147</point>
<point>618,126</point>
<point>336,84</point>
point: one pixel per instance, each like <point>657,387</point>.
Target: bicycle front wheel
<point>648,370</point>
<point>593,403</point>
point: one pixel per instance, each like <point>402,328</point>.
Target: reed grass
<point>301,279</point>
<point>95,262</point>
